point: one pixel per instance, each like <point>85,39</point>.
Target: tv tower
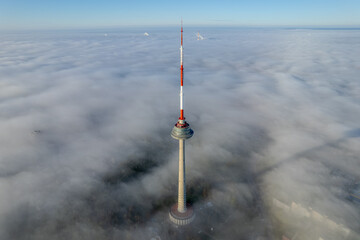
<point>181,213</point>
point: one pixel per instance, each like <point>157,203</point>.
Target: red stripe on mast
<point>181,75</point>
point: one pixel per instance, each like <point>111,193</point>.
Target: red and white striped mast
<point>181,77</point>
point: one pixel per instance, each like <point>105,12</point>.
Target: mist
<point>86,116</point>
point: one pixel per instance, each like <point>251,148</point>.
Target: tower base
<point>179,218</point>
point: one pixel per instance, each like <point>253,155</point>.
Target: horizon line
<point>329,26</point>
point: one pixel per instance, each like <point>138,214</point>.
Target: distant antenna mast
<point>199,37</point>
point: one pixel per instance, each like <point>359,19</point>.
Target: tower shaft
<point>182,185</point>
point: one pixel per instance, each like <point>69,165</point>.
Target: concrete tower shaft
<point>182,184</point>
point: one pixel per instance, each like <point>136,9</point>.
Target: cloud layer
<point>85,118</point>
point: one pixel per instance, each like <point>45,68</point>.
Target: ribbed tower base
<point>179,218</point>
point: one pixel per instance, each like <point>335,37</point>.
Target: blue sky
<point>40,14</point>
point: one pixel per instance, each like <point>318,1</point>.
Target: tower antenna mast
<point>181,76</point>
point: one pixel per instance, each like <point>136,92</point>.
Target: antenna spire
<point>181,76</point>
<point>181,32</point>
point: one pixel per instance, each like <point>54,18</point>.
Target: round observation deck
<point>182,130</point>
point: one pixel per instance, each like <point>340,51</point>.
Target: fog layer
<point>85,121</point>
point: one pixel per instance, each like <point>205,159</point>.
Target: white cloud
<point>85,121</point>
